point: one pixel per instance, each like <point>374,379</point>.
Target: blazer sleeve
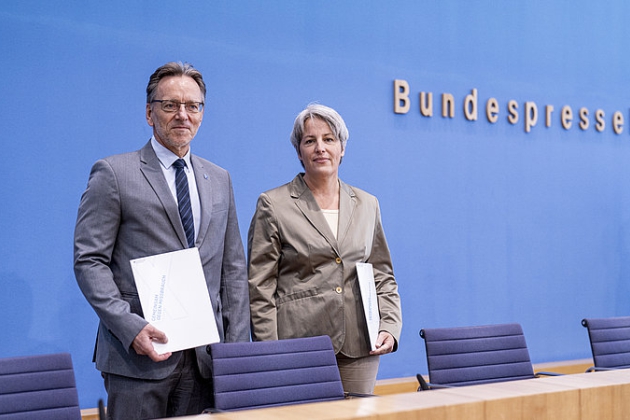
<point>385,282</point>
<point>264,250</point>
<point>98,221</point>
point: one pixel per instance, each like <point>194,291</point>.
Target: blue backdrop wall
<point>487,223</point>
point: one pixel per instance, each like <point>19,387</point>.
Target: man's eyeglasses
<point>173,106</point>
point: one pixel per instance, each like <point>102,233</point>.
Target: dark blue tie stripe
<point>183,201</point>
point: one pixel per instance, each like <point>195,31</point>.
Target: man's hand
<point>143,343</point>
<point>384,344</point>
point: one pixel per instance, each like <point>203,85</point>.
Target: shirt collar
<point>165,156</point>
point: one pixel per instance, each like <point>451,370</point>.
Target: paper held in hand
<point>174,298</point>
<point>365,274</point>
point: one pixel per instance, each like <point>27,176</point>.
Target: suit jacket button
<point>338,260</point>
<point>338,289</point>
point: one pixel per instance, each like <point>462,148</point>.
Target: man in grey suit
<point>130,210</point>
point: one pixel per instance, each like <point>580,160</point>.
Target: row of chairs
<point>246,375</point>
<point>495,353</point>
<point>274,373</point>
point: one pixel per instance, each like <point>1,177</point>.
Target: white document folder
<point>365,274</point>
<point>174,299</point>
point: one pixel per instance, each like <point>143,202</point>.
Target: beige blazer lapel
<point>305,201</point>
<point>347,206</point>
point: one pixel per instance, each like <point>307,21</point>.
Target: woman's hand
<point>384,344</point>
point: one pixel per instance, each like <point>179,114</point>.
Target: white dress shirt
<point>167,158</point>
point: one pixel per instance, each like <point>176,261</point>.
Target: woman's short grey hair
<point>332,118</point>
<point>174,69</point>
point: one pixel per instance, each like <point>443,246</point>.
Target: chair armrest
<point>599,369</point>
<point>427,386</point>
<point>548,374</point>
<point>350,395</point>
<point>213,411</point>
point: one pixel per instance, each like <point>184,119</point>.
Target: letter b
<point>401,96</point>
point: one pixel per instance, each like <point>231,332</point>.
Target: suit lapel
<point>307,204</point>
<point>204,188</point>
<point>347,206</point>
<point>150,167</point>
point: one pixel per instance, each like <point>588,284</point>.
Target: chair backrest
<point>38,387</point>
<point>272,373</point>
<point>610,341</point>
<point>476,355</point>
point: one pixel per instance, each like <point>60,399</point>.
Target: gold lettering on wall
<point>470,105</point>
<point>426,104</point>
<point>599,117</point>
<point>401,97</point>
<point>617,122</point>
<point>548,112</point>
<point>584,123</point>
<point>531,116</point>
<point>567,117</point>
<point>448,105</point>
<point>492,110</point>
<point>513,111</point>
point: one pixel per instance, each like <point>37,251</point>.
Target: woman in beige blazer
<point>304,242</point>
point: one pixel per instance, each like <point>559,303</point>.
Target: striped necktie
<point>183,201</point>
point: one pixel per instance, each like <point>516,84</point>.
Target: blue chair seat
<point>610,342</point>
<point>476,355</point>
<point>38,387</point>
<point>260,374</point>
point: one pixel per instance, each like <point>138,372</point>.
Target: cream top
<point>332,217</point>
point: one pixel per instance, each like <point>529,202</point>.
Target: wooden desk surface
<point>586,396</point>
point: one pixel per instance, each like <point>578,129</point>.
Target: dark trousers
<point>183,393</point>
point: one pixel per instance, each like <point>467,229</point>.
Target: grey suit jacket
<point>127,212</point>
<point>302,281</point>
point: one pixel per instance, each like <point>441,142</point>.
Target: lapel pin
<point>205,176</point>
